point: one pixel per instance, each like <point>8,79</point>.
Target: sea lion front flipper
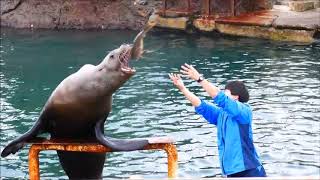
<point>18,143</point>
<point>118,144</point>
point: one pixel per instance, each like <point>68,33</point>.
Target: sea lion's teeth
<point>126,69</point>
<point>125,58</point>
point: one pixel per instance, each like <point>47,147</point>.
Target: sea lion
<point>79,106</point>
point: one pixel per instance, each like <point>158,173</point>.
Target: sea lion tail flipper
<point>18,143</point>
<point>12,148</point>
<point>118,144</point>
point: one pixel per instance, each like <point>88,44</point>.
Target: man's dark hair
<point>238,88</point>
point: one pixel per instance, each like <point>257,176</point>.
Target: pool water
<point>283,81</point>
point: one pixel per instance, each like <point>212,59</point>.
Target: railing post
<point>189,6</point>
<point>172,160</point>
<point>206,7</point>
<point>165,7</point>
<point>34,171</point>
<point>233,8</point>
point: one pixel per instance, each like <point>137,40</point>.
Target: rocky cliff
<point>78,14</point>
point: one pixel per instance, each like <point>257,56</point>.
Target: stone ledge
<point>301,6</point>
<point>259,18</point>
<point>207,25</point>
<point>172,23</point>
<point>304,36</point>
<point>275,24</point>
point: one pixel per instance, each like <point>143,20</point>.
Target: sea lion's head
<point>117,61</point>
<point>116,68</point>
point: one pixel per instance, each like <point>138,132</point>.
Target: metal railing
<point>209,12</point>
<point>205,5</point>
<point>180,11</point>
<point>42,145</point>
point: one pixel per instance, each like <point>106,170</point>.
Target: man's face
<point>228,93</point>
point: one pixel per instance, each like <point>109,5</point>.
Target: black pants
<point>256,172</point>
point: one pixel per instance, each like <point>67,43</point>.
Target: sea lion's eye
<point>112,56</point>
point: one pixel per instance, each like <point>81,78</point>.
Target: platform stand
<point>42,145</point>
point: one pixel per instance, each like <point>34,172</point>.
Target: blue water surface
<point>283,80</point>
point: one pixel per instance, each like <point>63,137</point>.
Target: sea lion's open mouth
<point>135,50</point>
<point>124,58</point>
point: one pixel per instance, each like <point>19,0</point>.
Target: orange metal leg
<point>34,172</point>
<point>172,160</point>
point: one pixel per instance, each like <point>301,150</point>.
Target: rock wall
<point>102,14</point>
<point>78,14</point>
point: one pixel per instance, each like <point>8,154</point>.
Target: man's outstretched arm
<point>177,81</point>
<point>192,73</point>
<point>208,111</point>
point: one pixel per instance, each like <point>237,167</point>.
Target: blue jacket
<point>233,120</point>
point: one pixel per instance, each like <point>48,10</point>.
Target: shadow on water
<point>283,79</point>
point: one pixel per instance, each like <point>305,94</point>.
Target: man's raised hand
<point>190,71</point>
<point>177,81</point>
